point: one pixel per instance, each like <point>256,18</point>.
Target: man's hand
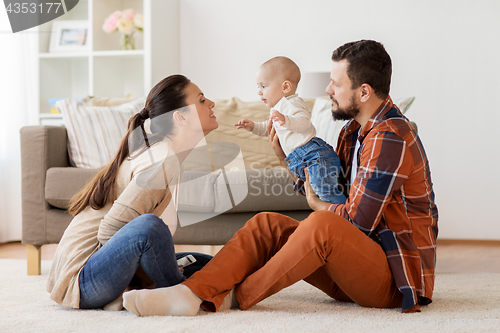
<point>278,117</point>
<point>312,199</point>
<point>246,124</point>
<point>275,143</point>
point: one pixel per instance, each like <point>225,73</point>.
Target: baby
<point>277,81</point>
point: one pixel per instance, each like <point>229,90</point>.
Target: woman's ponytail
<point>101,190</point>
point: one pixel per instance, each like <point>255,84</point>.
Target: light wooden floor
<point>453,256</point>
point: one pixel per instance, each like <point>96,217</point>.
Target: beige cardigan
<point>90,229</point>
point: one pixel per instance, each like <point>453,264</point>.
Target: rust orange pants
<point>273,251</point>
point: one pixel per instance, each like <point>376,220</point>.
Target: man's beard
<point>346,113</point>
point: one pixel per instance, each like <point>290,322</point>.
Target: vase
<point>127,42</point>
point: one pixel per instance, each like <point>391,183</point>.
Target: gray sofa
<point>49,182</point>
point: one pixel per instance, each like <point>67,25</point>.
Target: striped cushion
<point>94,133</point>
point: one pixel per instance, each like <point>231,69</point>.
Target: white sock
<point>229,302</point>
<point>177,300</point>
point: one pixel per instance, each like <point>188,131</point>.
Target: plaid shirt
<point>391,199</point>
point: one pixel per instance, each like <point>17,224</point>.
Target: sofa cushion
<point>404,103</point>
<point>200,192</point>
<point>95,133</point>
<point>258,190</point>
<point>196,193</point>
<point>109,101</point>
<point>61,184</point>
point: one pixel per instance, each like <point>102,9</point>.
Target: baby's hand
<point>278,117</point>
<point>246,124</point>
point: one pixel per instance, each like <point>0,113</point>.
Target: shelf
<point>52,119</point>
<point>116,53</point>
<point>48,55</point>
<point>50,115</point>
<point>103,69</point>
<point>119,53</point>
<point>127,75</point>
<point>62,77</point>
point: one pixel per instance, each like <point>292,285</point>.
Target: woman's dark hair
<point>368,62</point>
<point>166,96</point>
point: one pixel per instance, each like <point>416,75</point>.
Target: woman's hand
<point>312,198</point>
<point>275,143</point>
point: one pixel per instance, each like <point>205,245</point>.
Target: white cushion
<point>95,133</point>
<point>321,117</point>
<point>403,103</point>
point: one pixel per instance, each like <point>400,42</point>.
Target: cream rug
<point>462,303</point>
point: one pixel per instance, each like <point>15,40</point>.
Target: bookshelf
<point>102,69</point>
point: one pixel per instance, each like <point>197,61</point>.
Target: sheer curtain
<point>17,109</point>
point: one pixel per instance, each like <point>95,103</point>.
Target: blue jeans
<point>144,241</point>
<point>324,169</point>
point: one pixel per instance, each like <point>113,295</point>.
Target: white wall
<point>444,52</point>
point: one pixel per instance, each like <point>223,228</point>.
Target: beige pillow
<point>109,101</point>
<point>257,153</point>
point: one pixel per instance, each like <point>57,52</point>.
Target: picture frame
<point>69,36</point>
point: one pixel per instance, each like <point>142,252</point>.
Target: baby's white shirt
<point>297,130</point>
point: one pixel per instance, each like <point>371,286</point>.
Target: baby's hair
<point>285,67</point>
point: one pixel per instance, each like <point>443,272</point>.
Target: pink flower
<point>109,27</point>
<point>129,13</point>
<point>110,24</point>
<point>126,22</point>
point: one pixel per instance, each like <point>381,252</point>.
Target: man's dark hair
<point>368,62</point>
